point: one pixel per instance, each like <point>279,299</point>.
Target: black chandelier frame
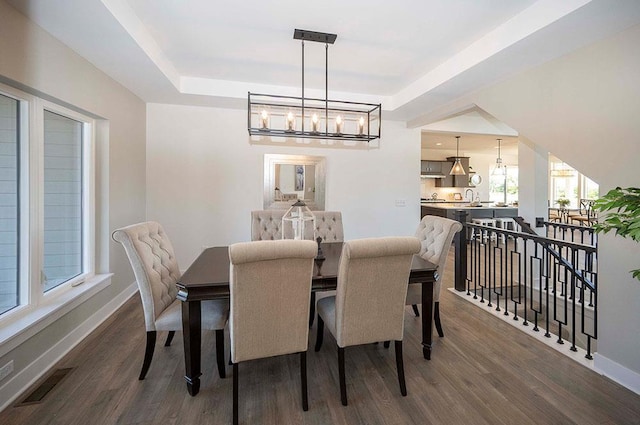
<point>360,121</point>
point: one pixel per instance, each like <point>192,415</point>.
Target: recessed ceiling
<point>411,55</point>
<point>470,143</point>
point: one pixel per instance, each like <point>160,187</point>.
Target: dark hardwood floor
<point>482,372</point>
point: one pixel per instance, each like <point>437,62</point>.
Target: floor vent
<point>39,393</point>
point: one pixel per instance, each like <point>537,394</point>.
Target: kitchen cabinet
<point>431,167</point>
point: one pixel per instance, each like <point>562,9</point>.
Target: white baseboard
<point>10,391</point>
<point>623,376</point>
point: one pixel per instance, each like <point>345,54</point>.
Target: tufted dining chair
<point>267,225</point>
<point>270,287</point>
<point>156,271</point>
<point>435,235</point>
<point>370,298</point>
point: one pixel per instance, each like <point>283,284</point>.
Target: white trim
<point>615,371</point>
<point>19,327</point>
<point>10,391</point>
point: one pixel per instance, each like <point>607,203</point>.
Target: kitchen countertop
<point>465,205</point>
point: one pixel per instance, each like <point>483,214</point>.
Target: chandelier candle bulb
<point>314,123</point>
<point>291,121</point>
<point>264,119</point>
<point>361,126</point>
<point>339,124</point>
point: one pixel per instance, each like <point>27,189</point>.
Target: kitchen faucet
<point>466,192</point>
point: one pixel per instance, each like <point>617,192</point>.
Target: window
<point>566,183</point>
<point>9,211</point>
<point>62,259</point>
<point>504,188</point>
<point>46,194</point>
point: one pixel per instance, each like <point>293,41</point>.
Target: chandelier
<point>304,117</point>
<point>562,171</point>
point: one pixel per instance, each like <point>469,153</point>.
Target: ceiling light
<point>457,169</point>
<point>499,169</point>
<point>563,171</point>
<point>289,116</point>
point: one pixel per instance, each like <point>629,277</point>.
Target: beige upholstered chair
<point>370,298</point>
<point>435,234</point>
<point>267,225</point>
<point>270,286</point>
<point>156,270</point>
<point>329,228</point>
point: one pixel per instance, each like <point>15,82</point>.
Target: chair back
<point>154,265</point>
<point>267,225</point>
<point>270,287</point>
<point>329,226</point>
<point>372,288</point>
<point>435,235</point>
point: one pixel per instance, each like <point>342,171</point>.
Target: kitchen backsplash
<point>428,188</point>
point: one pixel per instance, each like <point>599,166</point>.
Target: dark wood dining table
<point>208,278</point>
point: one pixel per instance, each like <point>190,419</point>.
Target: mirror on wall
<point>288,178</point>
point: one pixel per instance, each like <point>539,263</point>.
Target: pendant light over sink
<point>457,169</point>
<point>499,169</point>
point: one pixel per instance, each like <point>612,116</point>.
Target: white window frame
<point>88,197</point>
<point>32,299</point>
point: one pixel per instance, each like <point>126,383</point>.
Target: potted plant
<point>622,206</point>
<point>563,202</point>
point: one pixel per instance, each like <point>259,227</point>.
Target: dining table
<point>207,278</point>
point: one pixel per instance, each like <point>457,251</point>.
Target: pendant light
<point>271,115</point>
<point>457,169</point>
<point>499,170</point>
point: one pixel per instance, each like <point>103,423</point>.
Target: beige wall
<point>583,108</point>
<point>32,60</point>
<point>204,178</point>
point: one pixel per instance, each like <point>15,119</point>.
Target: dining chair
<point>270,287</point>
<point>267,225</point>
<point>329,228</point>
<point>370,297</point>
<point>585,215</point>
<point>435,235</point>
<point>156,271</point>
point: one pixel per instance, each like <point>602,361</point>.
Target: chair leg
<point>415,310</point>
<point>235,394</point>
<point>169,338</point>
<point>343,381</point>
<point>220,352</point>
<point>400,367</point>
<point>386,344</point>
<point>319,334</point>
<point>148,354</point>
<point>312,308</point>
<point>303,380</point>
<point>436,318</point>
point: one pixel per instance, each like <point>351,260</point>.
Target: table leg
<point>191,336</point>
<point>427,318</point>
